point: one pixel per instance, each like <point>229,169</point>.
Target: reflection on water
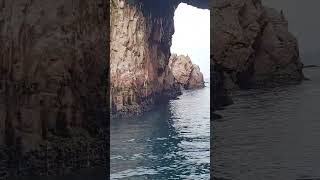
<point>270,134</point>
<point>171,142</point>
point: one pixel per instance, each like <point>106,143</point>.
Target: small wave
<point>140,171</point>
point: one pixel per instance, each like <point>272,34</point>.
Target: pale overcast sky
<point>303,18</point>
<point>192,36</point>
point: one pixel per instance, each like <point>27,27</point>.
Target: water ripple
<point>270,134</point>
<point>172,142</point>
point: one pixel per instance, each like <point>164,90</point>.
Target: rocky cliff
<point>252,46</point>
<point>188,75</point>
<point>53,79</point>
<point>140,51</point>
<point>141,37</point>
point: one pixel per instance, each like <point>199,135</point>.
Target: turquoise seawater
<point>170,142</point>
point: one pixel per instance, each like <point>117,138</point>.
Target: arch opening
<point>192,36</point>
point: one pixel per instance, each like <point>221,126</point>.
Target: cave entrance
<point>192,36</point>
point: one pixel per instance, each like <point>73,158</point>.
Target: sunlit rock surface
<point>140,51</point>
<point>188,75</point>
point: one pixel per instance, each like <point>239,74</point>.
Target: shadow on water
<point>270,134</point>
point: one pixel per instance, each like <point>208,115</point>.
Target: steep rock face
<point>252,46</point>
<point>140,51</point>
<point>187,74</point>
<point>53,78</point>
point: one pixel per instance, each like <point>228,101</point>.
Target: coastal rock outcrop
<point>188,75</point>
<point>252,45</point>
<point>53,85</point>
<point>141,35</point>
<point>140,52</point>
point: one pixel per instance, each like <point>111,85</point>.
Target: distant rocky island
<point>252,48</point>
<point>188,75</point>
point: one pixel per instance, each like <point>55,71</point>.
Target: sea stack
<point>188,75</point>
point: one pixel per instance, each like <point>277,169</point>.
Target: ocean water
<point>270,134</point>
<point>170,142</point>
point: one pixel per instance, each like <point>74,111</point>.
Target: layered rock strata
<point>53,79</point>
<point>188,75</point>
<point>252,46</point>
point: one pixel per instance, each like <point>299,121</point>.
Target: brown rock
<point>252,45</point>
<point>140,51</point>
<point>53,74</point>
<point>141,37</point>
<point>186,73</point>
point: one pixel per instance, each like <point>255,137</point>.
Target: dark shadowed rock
<point>215,116</point>
<point>252,45</point>
<point>53,79</point>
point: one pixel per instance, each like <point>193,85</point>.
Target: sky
<point>192,30</point>
<point>303,21</point>
<point>192,36</point>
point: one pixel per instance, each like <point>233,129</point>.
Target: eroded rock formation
<point>252,46</point>
<point>53,79</point>
<point>140,50</point>
<point>188,75</point>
